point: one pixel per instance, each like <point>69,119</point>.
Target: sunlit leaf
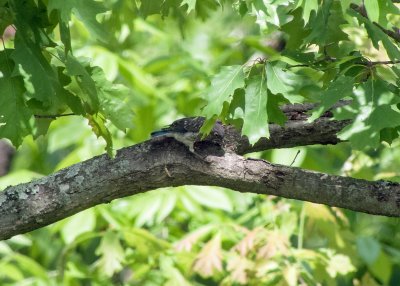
<point>338,89</point>
<point>372,8</point>
<point>221,90</point>
<point>191,4</point>
<point>340,264</point>
<point>97,122</point>
<point>86,11</point>
<point>111,252</point>
<point>283,81</point>
<point>115,101</point>
<point>214,198</point>
<point>80,223</point>
<point>308,7</point>
<point>255,121</point>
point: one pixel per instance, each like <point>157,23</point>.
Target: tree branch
<point>162,163</point>
<point>296,132</point>
<point>151,165</point>
<point>361,10</point>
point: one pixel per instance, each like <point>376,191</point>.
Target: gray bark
<point>161,163</point>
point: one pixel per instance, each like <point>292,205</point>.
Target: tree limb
<point>154,164</point>
<point>296,132</point>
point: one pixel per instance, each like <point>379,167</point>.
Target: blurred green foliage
<point>156,59</point>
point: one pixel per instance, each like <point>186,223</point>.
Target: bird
<point>186,131</point>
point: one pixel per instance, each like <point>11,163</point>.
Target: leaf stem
<point>53,116</point>
<point>366,63</point>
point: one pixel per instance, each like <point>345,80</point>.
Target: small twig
<point>370,63</point>
<point>366,63</point>
<point>295,157</point>
<point>328,59</point>
<point>361,10</point>
<point>167,171</point>
<point>53,116</point>
<point>299,66</point>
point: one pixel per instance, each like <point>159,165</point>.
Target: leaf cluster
<point>320,63</point>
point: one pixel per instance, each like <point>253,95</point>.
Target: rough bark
<point>162,163</point>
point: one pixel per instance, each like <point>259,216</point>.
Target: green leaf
<point>275,114</point>
<point>372,8</point>
<point>326,27</point>
<point>205,7</point>
<point>339,264</point>
<point>191,5</point>
<point>82,74</point>
<point>282,81</point>
<point>241,7</point>
<point>255,121</point>
<point>40,80</point>
<point>72,101</point>
<point>373,109</point>
<point>65,36</point>
<point>14,114</point>
<point>86,11</point>
<point>11,272</point>
<point>222,87</point>
<point>368,249</point>
<point>221,90</point>
<point>77,224</point>
<point>389,134</point>
<point>115,100</point>
<point>97,121</point>
<point>270,14</point>
<point>111,252</point>
<point>168,204</point>
<point>308,7</point>
<point>6,18</point>
<point>32,23</point>
<point>386,8</point>
<point>149,209</point>
<point>150,7</point>
<point>345,4</point>
<point>338,89</point>
<point>382,268</point>
<point>214,198</point>
<point>377,35</point>
<point>295,35</point>
<point>32,267</point>
<point>172,274</point>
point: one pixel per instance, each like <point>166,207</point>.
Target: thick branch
<point>154,164</point>
<point>296,132</point>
